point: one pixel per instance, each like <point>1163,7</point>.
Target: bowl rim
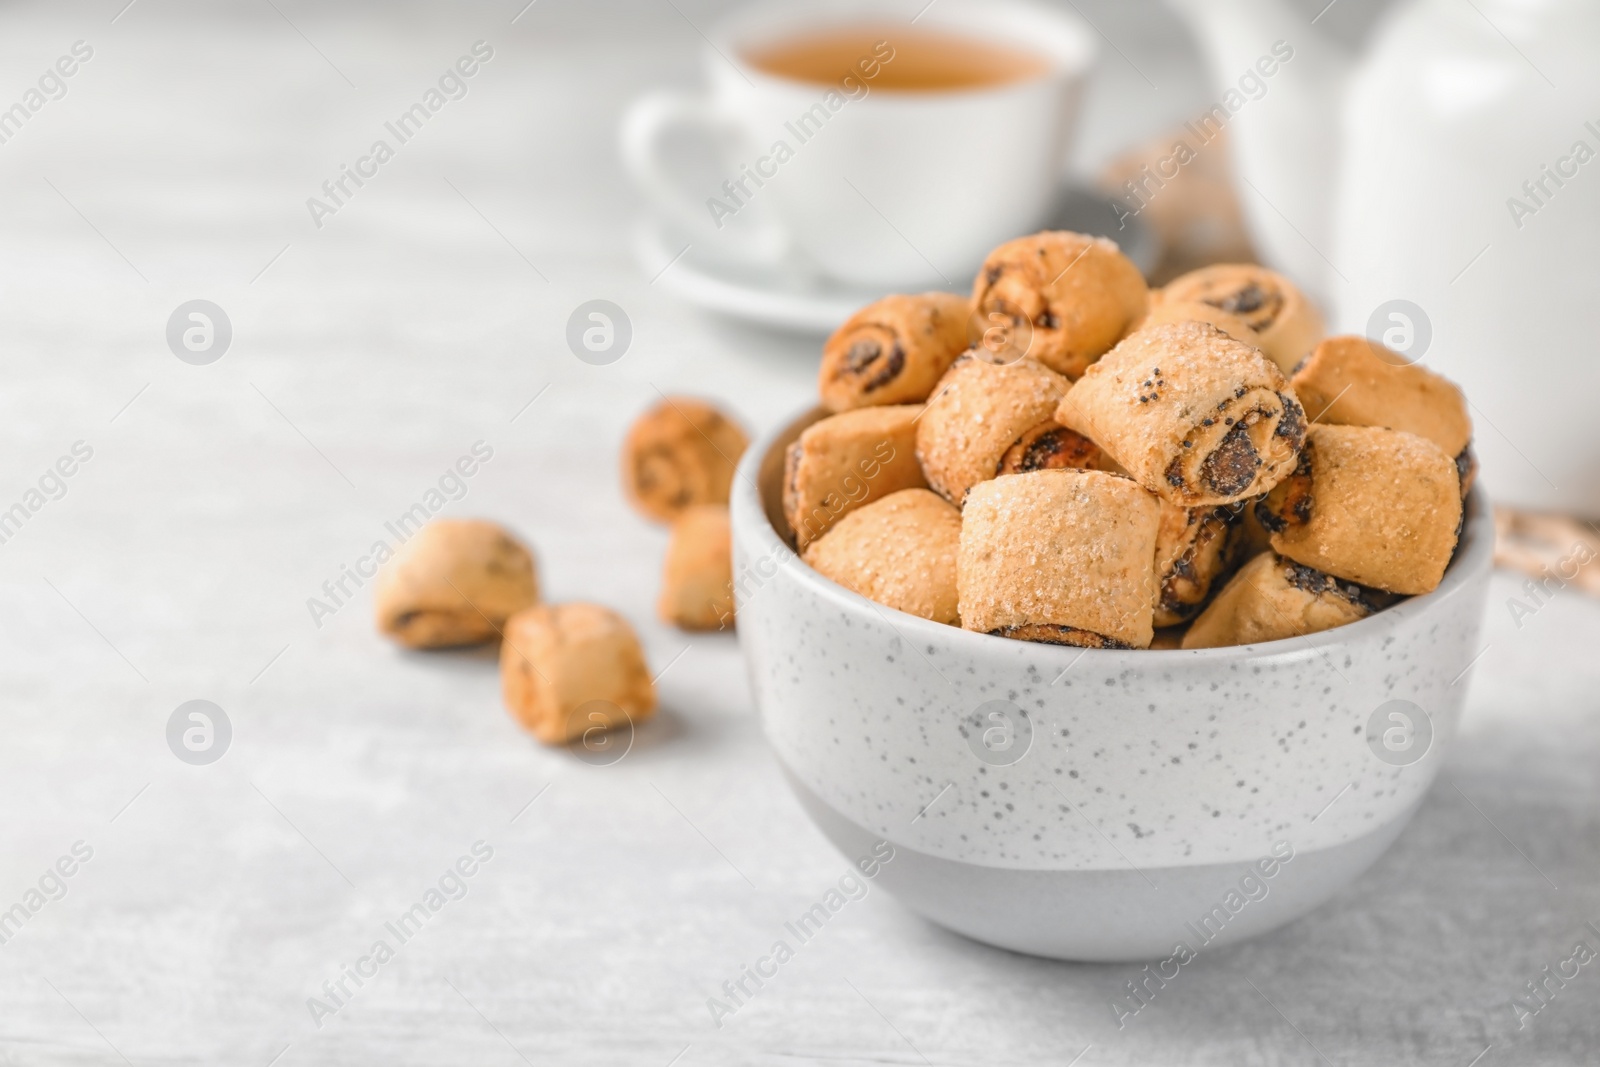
<point>1474,556</point>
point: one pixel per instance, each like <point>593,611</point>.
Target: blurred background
<point>365,355</point>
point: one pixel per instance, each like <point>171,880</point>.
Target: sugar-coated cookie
<point>1061,556</point>
<point>1273,598</point>
<point>1374,506</point>
<point>455,582</point>
<point>1351,381</point>
<point>978,412</point>
<point>900,551</point>
<point>1070,295</point>
<point>697,577</point>
<point>1192,414</point>
<point>680,453</point>
<point>845,461</point>
<point>893,351</point>
<point>1286,323</point>
<point>569,669</point>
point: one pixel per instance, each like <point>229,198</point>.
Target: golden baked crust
<point>697,576</point>
<point>893,351</point>
<point>1074,295</point>
<point>1286,323</point>
<point>899,551</point>
<point>1194,415</point>
<point>680,453</point>
<point>978,411</point>
<point>1194,548</point>
<point>1059,555</point>
<point>1351,381</point>
<point>568,669</point>
<point>1374,506</point>
<point>1272,598</point>
<point>455,582</point>
<point>848,460</point>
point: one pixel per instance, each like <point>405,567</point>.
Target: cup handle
<point>646,128</point>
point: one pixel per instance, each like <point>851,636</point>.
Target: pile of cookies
<point>569,670</point>
<point>1071,457</point>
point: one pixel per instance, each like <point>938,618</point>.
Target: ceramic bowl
<point>1092,804</point>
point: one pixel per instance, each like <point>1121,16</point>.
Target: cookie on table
<point>1351,381</point>
<point>893,351</point>
<point>1369,505</point>
<point>899,551</point>
<point>568,669</point>
<point>1071,295</point>
<point>1272,598</point>
<point>1193,415</point>
<point>455,582</point>
<point>697,577</point>
<point>1287,324</point>
<point>1194,548</point>
<point>680,453</point>
<point>1059,556</point>
<point>845,461</point>
<point>978,412</point>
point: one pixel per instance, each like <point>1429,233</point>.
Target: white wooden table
<point>367,356</point>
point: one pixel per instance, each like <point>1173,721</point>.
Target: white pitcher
<point>1442,193</point>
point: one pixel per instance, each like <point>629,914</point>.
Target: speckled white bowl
<point>1154,781</point>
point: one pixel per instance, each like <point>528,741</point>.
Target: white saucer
<point>791,297</point>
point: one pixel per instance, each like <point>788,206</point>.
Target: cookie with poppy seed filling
<point>1073,295</point>
<point>1369,505</point>
<point>899,551</point>
<point>1351,381</point>
<point>846,461</point>
<point>1272,598</point>
<point>455,582</point>
<point>1163,311</point>
<point>1051,446</point>
<point>568,670</point>
<point>979,411</point>
<point>680,453</point>
<point>1286,323</point>
<point>1059,556</point>
<point>893,351</point>
<point>1194,548</point>
<point>1193,415</point>
<point>697,576</point>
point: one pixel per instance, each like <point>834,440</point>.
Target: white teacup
<point>872,186</point>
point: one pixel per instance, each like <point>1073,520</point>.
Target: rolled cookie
<point>978,411</point>
<point>1051,446</point>
<point>899,551</point>
<point>1286,323</point>
<point>1061,556</point>
<point>1193,550</point>
<point>1072,296</point>
<point>570,671</point>
<point>1162,311</point>
<point>1374,506</point>
<point>1351,381</point>
<point>845,461</point>
<point>455,582</point>
<point>893,351</point>
<point>697,578</point>
<point>680,453</point>
<point>1195,416</point>
<point>1272,598</point>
